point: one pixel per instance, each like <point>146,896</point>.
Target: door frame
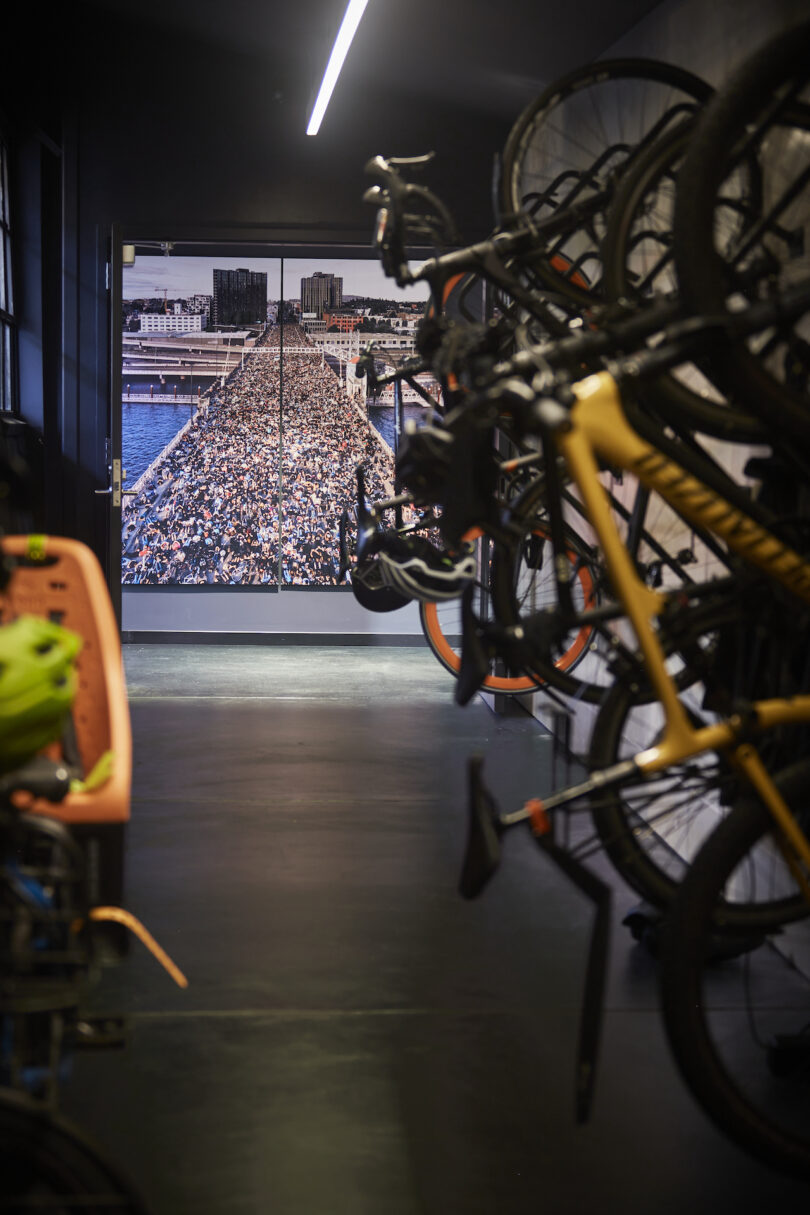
<point>269,241</point>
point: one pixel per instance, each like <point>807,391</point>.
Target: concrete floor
<point>356,1039</point>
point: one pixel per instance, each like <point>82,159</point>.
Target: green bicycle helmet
<point>38,684</point>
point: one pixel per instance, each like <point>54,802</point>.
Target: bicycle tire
<point>738,118</point>
<point>531,156</point>
<point>507,607</point>
<point>719,1066</point>
<point>652,830</point>
<point>637,261</point>
<point>604,642</point>
<point>45,1161</point>
<point>446,646</point>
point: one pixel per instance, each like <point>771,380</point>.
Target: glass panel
<point>9,277</point>
<point>6,398</point>
<point>3,185</point>
<point>199,422</point>
<point>11,368</point>
<point>7,334</point>
<point>335,306</point>
<point>206,451</point>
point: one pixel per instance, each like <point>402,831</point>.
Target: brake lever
<point>378,166</point>
<point>376,197</point>
<point>412,162</point>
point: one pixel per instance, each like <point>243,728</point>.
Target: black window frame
<point>9,394</point>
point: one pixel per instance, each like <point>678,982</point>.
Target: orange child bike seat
<point>62,580</point>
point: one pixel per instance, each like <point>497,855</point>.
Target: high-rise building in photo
<point>240,297</point>
<point>321,291</point>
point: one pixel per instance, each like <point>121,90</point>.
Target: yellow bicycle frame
<point>598,427</point>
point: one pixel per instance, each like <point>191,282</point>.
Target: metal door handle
<point>114,490</point>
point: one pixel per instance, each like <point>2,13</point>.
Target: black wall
<point>174,137</point>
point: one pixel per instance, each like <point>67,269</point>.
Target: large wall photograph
<point>242,419</point>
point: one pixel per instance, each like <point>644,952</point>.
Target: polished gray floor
<point>356,1039</point>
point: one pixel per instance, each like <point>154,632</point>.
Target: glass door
<point>242,421</point>
<point>200,421</point>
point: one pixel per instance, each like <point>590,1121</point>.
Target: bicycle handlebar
<point>366,367</point>
<point>395,222</point>
<point>488,256</point>
<point>546,369</point>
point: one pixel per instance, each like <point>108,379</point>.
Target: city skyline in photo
<point>181,277</point>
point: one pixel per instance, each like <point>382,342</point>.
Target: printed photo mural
<point>242,419</point>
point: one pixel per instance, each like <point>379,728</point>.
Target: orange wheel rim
<point>562,265</point>
<point>512,683</point>
<point>449,288</point>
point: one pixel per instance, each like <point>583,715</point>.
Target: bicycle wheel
<point>532,585</point>
<point>653,829</point>
<point>733,245</point>
<point>662,548</point>
<point>638,263</point>
<point>572,143</point>
<point>739,1029</point>
<point>523,585</point>
<point>46,1164</point>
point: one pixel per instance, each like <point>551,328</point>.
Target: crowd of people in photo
<point>251,487</point>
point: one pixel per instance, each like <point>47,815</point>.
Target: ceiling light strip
<point>340,50</point>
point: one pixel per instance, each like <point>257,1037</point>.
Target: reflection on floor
<point>356,1039</point>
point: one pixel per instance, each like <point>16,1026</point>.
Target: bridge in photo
<point>131,373</point>
<point>160,398</point>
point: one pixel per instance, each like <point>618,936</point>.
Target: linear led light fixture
<point>346,33</point>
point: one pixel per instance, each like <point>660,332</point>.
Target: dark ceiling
<point>193,112</point>
<point>480,55</point>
